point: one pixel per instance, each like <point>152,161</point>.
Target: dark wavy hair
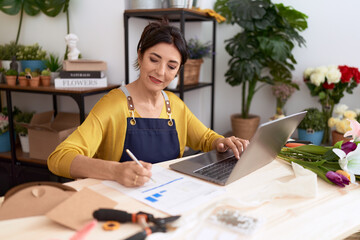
<point>158,32</point>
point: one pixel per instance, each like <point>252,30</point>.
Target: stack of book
<point>82,74</point>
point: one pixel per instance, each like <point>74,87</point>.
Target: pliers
<point>149,223</point>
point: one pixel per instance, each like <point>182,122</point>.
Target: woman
<point>154,125</point>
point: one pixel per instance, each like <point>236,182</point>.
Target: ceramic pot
<point>33,65</point>
<point>11,80</point>
<point>145,4</point>
<point>313,136</point>
<point>5,142</point>
<point>45,80</point>
<point>23,81</point>
<point>336,136</point>
<point>24,140</point>
<point>34,82</point>
<point>244,127</point>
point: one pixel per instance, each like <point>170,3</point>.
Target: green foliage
<point>264,45</point>
<point>7,51</point>
<point>197,49</point>
<point>314,119</point>
<point>35,74</point>
<point>31,52</point>
<point>53,63</point>
<point>22,117</point>
<point>22,74</point>
<point>11,72</point>
<point>32,7</point>
<point>45,72</point>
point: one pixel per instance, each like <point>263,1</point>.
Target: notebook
<point>224,168</point>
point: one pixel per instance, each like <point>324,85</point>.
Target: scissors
<point>148,222</point>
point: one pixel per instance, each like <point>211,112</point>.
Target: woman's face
<point>159,66</point>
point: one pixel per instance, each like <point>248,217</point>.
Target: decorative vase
<point>24,140</point>
<point>145,4</point>
<point>53,76</point>
<point>5,142</point>
<point>34,82</point>
<point>11,80</point>
<point>34,65</point>
<point>244,127</point>
<point>327,109</point>
<point>23,81</point>
<point>336,136</point>
<point>310,135</point>
<point>45,80</point>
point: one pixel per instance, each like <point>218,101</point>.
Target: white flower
<point>349,163</point>
<point>321,69</point>
<point>357,111</point>
<point>340,109</point>
<point>308,72</point>
<point>333,75</point>
<point>317,78</point>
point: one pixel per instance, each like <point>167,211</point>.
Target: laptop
<point>224,168</point>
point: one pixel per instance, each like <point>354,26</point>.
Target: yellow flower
<point>333,121</point>
<point>343,126</point>
<point>350,114</point>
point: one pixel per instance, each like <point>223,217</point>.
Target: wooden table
<point>333,214</point>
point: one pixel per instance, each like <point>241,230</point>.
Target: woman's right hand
<point>131,174</point>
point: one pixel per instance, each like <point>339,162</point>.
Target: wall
<point>332,38</point>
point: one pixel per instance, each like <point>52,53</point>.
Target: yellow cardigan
<point>102,134</point>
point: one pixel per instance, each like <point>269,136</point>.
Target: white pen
<point>132,156</point>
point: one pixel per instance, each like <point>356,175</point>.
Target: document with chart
<point>172,192</point>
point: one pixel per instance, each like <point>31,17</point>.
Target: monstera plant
<point>33,7</point>
<point>261,52</point>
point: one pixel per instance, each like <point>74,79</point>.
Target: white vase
<point>53,76</point>
<point>174,83</point>
<point>6,64</point>
<point>24,140</point>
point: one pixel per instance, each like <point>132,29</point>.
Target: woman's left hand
<point>237,145</point>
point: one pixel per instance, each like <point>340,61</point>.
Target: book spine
<point>80,82</point>
<point>81,74</point>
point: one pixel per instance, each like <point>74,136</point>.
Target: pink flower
<point>355,130</point>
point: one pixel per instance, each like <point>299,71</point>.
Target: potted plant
<point>4,133</point>
<point>53,63</point>
<point>45,77</point>
<point>339,122</point>
<point>11,75</point>
<point>311,128</point>
<point>34,79</point>
<point>32,56</point>
<point>2,74</point>
<point>7,52</point>
<point>22,118</point>
<point>261,53</point>
<point>23,81</point>
<point>197,51</point>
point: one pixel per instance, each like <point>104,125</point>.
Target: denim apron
<point>151,140</point>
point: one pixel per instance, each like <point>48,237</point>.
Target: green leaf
<point>52,8</point>
<point>11,7</point>
<point>275,47</point>
<point>295,18</point>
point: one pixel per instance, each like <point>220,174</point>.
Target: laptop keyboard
<point>219,171</point>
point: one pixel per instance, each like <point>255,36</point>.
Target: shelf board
<point>173,14</point>
<point>22,157</point>
<point>190,87</point>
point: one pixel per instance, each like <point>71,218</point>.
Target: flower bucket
<point>33,65</point>
<point>5,142</point>
<point>313,136</point>
<point>336,136</point>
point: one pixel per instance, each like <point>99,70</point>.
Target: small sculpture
<point>14,65</point>
<point>71,40</point>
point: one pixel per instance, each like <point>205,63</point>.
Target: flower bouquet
<point>338,164</point>
<point>330,84</point>
<point>282,92</point>
<point>4,123</point>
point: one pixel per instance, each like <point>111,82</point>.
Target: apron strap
<point>132,108</point>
